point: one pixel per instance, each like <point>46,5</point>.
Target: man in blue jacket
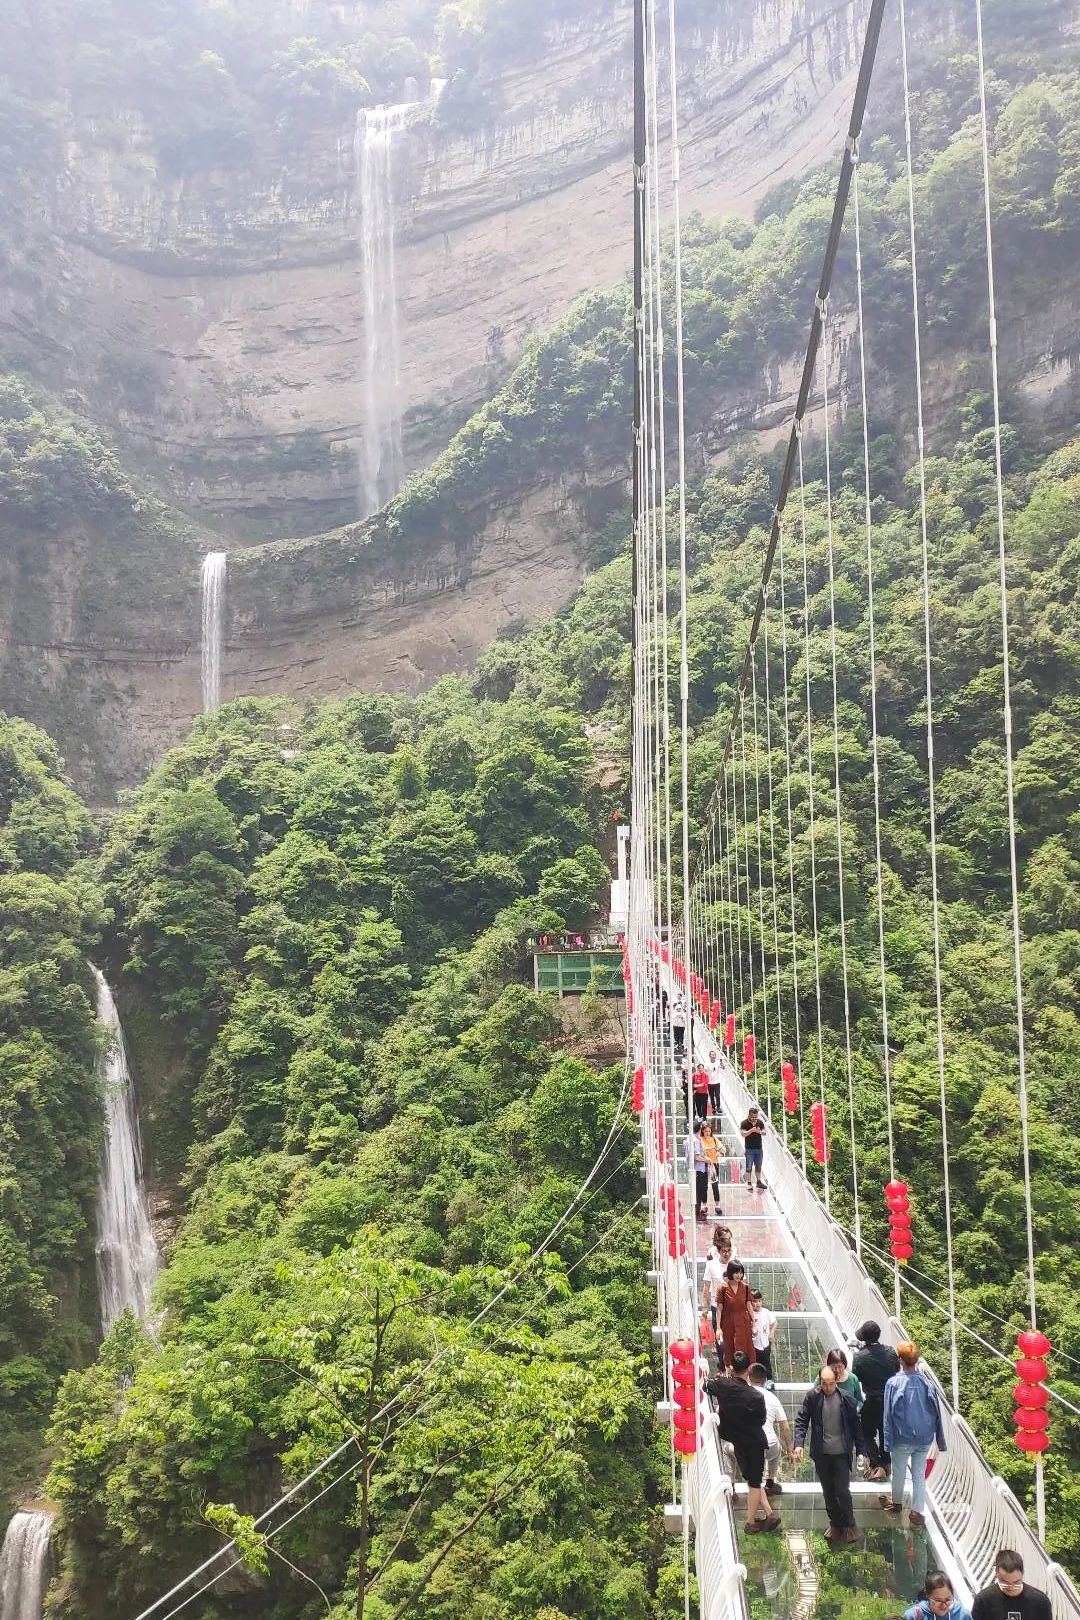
<point>832,1420</point>
<point>912,1423</point>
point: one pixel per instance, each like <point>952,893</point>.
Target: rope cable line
<point>760,886</point>
<point>772,857</point>
<point>875,748</point>
<point>749,897</point>
<point>791,849</point>
<point>831,551</point>
<point>931,769</point>
<point>1010,787</point>
<point>812,828</point>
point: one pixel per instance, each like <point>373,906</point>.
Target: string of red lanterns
<point>901,1246</point>
<point>1031,1395</point>
<point>819,1132</point>
<point>684,1394</point>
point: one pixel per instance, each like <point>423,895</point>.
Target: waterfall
<point>213,609</point>
<point>381,465</point>
<point>127,1256</point>
<point>24,1566</point>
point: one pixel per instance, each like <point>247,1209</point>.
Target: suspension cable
<point>760,888</point>
<point>831,549</point>
<point>875,749</point>
<point>930,762</point>
<point>791,851</point>
<point>810,810</point>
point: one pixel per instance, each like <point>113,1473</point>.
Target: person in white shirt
<point>764,1332</point>
<point>719,1252</point>
<point>777,1430</point>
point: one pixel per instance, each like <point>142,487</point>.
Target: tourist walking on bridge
<point>1008,1597</point>
<point>938,1602</point>
<point>753,1135</point>
<point>873,1366</point>
<point>912,1425</point>
<point>829,1417</point>
<point>736,1319</point>
<point>743,1415</point>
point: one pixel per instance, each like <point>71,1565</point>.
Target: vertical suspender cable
<point>810,798</point>
<point>836,779</point>
<point>1025,1135</point>
<point>886,1057</point>
<point>760,882</point>
<point>930,763</point>
<point>684,664</point>
<point>772,858</point>
<point>749,897</point>
<point>791,852</point>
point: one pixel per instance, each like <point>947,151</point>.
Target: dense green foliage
<point>581,659</point>
<point>50,1106</point>
<point>749,289</point>
<point>212,86</point>
<point>379,1142</point>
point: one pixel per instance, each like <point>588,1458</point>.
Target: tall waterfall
<point>213,611</point>
<point>381,464</point>
<point>24,1566</point>
<point>127,1256</point>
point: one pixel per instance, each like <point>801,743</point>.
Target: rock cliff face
<point>215,323</point>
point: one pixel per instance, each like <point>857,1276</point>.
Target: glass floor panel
<point>795,1574</point>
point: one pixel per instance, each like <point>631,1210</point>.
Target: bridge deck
<point>804,1266</point>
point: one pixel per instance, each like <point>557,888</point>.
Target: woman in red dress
<point>736,1324</point>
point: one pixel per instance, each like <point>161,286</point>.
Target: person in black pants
<point>874,1364</point>
<point>832,1421</point>
<point>742,1422</point>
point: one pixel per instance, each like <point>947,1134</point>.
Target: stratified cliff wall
<point>215,322</point>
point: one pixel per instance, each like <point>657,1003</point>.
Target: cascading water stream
<point>213,611</point>
<point>380,454</point>
<point>24,1566</point>
<point>127,1256</point>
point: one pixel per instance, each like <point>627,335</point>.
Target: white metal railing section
<point>707,1492</point>
<point>974,1511</point>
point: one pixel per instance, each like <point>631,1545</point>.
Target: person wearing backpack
<point>912,1423</point>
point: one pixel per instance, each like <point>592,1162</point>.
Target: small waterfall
<point>24,1566</point>
<point>127,1256</point>
<point>213,611</point>
<point>381,465</point>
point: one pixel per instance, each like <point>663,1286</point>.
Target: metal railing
<point>707,1489</point>
<point>974,1511</point>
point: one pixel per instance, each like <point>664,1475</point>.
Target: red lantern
<point>819,1132</point>
<point>714,1015</point>
<point>638,1098</point>
<point>749,1054</point>
<point>729,1030</point>
<point>901,1246</point>
<point>1031,1417</point>
<point>684,1393</point>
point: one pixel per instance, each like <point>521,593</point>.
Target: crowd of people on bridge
<point>878,1409</point>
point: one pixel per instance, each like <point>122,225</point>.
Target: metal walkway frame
<point>971,1511</point>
